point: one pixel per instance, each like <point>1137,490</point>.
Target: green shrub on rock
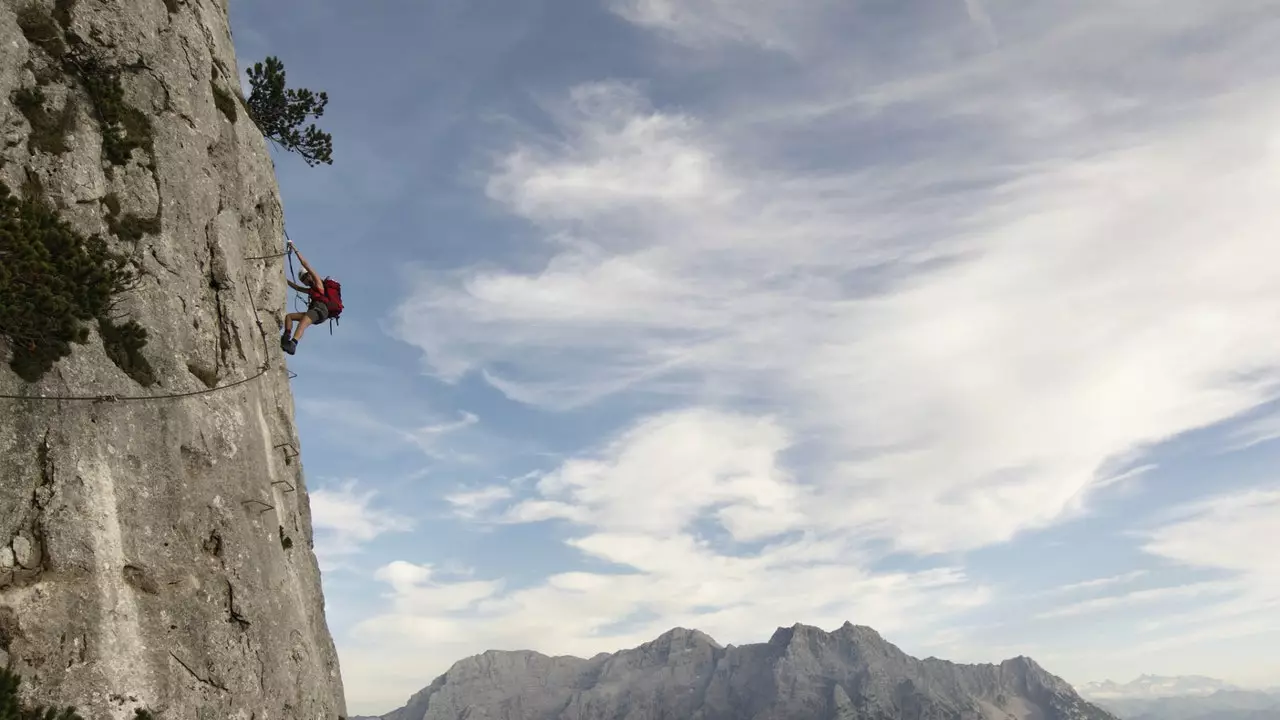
<point>52,281</point>
<point>123,127</point>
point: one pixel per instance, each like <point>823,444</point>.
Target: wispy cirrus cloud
<point>1095,583</point>
<point>1264,429</point>
<point>1001,377</point>
<point>685,519</point>
<point>930,310</point>
<point>1230,533</point>
<point>711,23</point>
<point>472,504</point>
<point>346,520</point>
<point>1201,623</point>
<point>353,422</point>
<point>1138,597</point>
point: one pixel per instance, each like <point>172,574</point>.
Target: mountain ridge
<point>800,672</point>
<point>1147,685</point>
<point>1182,697</point>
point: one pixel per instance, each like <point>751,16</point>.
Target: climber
<point>325,303</point>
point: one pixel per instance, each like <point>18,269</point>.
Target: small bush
<point>52,279</point>
<point>279,113</point>
<point>124,128</point>
<point>48,131</point>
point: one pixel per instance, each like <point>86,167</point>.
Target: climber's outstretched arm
<point>305,265</point>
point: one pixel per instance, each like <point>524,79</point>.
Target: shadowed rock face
<point>143,552</point>
<point>802,673</point>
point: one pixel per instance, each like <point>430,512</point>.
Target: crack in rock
<point>203,681</point>
<point>233,614</point>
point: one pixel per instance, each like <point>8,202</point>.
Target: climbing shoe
<point>290,346</point>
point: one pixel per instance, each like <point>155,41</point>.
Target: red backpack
<point>331,296</point>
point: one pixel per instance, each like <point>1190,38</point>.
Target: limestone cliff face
<point>156,552</point>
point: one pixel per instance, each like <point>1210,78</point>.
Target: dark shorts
<point>318,312</point>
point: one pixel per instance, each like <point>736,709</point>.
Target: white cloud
<point>1256,432</point>
<point>710,23</point>
<point>1237,618</point>
<point>1087,309</point>
<point>978,14</point>
<point>690,515</point>
<point>471,503</point>
<point>346,520</point>
<point>671,469</point>
<point>1137,597</point>
<point>1231,533</point>
<point>1122,579</point>
<point>351,422</point>
<point>1068,257</point>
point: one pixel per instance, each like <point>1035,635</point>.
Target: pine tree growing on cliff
<point>279,113</point>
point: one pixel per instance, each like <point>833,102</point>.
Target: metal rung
<point>286,483</point>
<point>266,506</point>
<point>286,448</point>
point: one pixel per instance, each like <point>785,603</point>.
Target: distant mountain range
<point>1186,697</point>
<point>1153,686</point>
<point>801,673</point>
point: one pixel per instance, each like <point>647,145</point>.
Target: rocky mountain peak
<point>800,673</point>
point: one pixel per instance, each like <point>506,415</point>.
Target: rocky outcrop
<point>802,673</point>
<point>155,536</point>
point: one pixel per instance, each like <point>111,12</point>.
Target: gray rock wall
<point>158,553</point>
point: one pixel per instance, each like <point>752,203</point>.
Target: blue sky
<point>956,319</point>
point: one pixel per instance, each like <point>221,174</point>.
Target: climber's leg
<point>314,315</point>
<point>289,321</point>
<point>303,324</point>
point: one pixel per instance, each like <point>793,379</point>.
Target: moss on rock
<point>49,130</point>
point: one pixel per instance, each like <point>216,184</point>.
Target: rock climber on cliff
<point>324,303</point>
